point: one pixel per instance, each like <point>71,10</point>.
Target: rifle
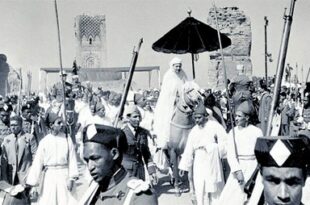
<point>249,186</point>
<point>128,83</point>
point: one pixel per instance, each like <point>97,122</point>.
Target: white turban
<point>175,60</point>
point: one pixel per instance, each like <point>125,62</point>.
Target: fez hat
<point>99,106</point>
<point>51,117</point>
<point>130,109</point>
<point>283,151</point>
<point>137,98</point>
<point>200,109</point>
<point>246,107</point>
<point>106,135</point>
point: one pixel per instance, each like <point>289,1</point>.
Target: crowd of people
<point>45,138</point>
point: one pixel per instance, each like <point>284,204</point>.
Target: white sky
<point>28,34</point>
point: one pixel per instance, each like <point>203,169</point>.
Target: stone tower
<point>90,33</point>
<point>4,72</point>
<point>237,27</point>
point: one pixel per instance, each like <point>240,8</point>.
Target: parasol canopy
<point>190,36</point>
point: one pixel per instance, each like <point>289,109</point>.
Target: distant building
<point>4,73</point>
<point>90,33</point>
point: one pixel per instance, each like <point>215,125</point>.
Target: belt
<point>246,157</point>
<point>64,166</point>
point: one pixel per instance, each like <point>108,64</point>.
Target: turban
<point>175,60</point>
<point>283,151</point>
<point>106,135</point>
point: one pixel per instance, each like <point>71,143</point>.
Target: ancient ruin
<point>237,26</point>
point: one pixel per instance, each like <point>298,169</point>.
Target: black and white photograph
<point>154,102</point>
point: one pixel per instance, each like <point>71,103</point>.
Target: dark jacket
<point>138,153</point>
<point>119,189</point>
<point>16,160</point>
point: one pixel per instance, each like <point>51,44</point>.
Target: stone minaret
<point>90,33</point>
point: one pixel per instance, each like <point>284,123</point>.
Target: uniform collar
<point>113,190</point>
<point>118,176</point>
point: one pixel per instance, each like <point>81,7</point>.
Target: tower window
<point>90,41</point>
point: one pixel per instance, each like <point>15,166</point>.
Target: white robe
<point>56,163</point>
<point>204,149</point>
<point>245,139</point>
<point>171,85</point>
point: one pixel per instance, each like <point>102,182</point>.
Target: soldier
<point>264,106</point>
<point>306,108</point>
<point>18,153</point>
<point>4,121</point>
<point>29,115</point>
<point>138,153</point>
<point>103,151</point>
<point>283,165</point>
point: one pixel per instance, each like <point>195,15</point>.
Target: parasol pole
<point>60,62</point>
<point>266,51</point>
<point>225,76</point>
<point>192,55</point>
<point>193,66</point>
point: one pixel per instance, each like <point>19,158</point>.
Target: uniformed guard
<point>5,111</point>
<point>103,151</point>
<point>138,154</point>
<point>283,165</point>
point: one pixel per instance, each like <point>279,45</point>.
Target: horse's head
<point>191,94</point>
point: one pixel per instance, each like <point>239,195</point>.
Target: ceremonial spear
<point>60,62</point>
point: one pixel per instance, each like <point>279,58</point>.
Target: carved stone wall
<point>237,26</point>
<point>90,33</point>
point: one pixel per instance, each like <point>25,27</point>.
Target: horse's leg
<point>174,162</point>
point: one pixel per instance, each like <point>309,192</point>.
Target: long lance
<point>281,63</point>
<point>225,78</point>
<point>128,83</point>
<point>307,75</point>
<point>61,68</point>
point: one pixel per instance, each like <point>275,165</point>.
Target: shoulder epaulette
<point>138,185</point>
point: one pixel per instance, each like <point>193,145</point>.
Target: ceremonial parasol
<point>190,36</point>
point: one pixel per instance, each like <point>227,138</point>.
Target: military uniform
<point>17,157</point>
<point>138,151</point>
<point>123,190</point>
<point>4,131</point>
